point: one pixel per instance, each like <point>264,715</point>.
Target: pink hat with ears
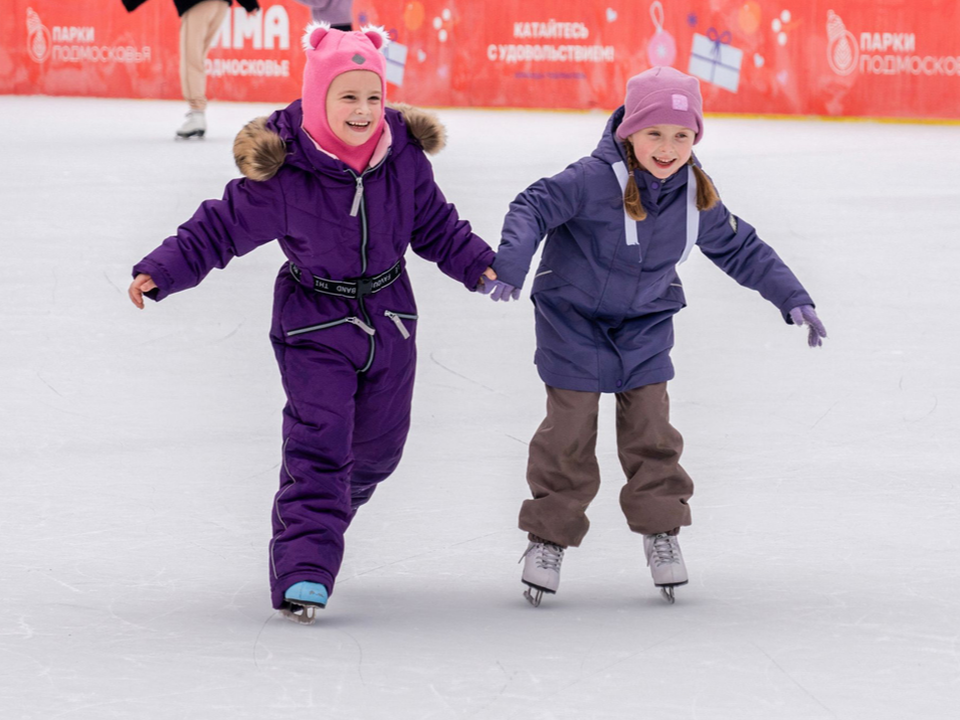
<point>330,53</point>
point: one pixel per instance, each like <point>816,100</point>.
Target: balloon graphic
<point>413,15</point>
<point>662,49</point>
<point>749,17</point>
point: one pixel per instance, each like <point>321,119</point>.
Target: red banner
<point>896,59</point>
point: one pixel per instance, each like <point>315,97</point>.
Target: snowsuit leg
<point>312,509</point>
<point>343,434</point>
<point>562,470</point>
<point>654,499</point>
<point>383,404</point>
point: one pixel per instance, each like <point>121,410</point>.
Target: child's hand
<point>141,283</point>
<point>497,289</point>
<point>806,314</point>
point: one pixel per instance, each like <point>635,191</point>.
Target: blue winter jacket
<point>607,286</point>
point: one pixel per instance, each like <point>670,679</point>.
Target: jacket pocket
<point>546,279</point>
<point>674,293</point>
<point>333,323</point>
<point>398,318</point>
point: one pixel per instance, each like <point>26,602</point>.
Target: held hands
<point>141,283</point>
<point>496,289</point>
<point>806,314</point>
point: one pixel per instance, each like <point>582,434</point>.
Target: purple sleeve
<point>249,215</point>
<point>440,236</point>
<point>546,204</point>
<point>733,245</point>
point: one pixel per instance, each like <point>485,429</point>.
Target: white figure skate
<point>665,562</point>
<point>195,126</point>
<point>541,569</point>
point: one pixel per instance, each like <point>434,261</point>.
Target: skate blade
<point>301,614</point>
<point>534,594</point>
<point>666,591</point>
<point>198,134</point>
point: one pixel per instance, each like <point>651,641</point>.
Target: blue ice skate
<point>303,599</point>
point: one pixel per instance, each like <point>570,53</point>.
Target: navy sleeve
<point>545,205</point>
<point>733,245</point>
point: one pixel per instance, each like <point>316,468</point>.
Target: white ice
<point>139,453</point>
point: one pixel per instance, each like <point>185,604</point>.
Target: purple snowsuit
<point>607,287</point>
<point>344,320</point>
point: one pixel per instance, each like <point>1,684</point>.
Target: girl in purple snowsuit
<point>343,183</point>
<point>617,224</point>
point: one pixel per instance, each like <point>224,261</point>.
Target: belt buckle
<point>364,286</point>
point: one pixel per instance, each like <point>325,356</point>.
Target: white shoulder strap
<point>629,224</point>
<point>693,215</point>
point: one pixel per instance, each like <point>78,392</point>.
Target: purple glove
<point>806,314</point>
<point>498,290</point>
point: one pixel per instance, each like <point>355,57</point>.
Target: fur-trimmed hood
<point>264,145</point>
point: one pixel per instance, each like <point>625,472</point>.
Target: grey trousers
<point>564,476</point>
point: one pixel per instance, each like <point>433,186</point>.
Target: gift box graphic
<point>396,55</point>
<point>715,60</point>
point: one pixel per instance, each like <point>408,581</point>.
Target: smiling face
<point>355,106</point>
<point>663,149</point>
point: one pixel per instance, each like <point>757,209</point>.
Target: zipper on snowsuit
<point>357,196</point>
<point>396,318</point>
<point>333,323</point>
<point>359,207</point>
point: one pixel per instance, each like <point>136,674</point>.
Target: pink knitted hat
<point>662,95</point>
<point>331,53</point>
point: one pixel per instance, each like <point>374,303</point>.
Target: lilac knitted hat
<point>662,95</point>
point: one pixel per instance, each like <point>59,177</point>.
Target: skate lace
<point>546,555</point>
<point>665,550</point>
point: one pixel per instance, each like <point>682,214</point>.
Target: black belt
<point>354,288</point>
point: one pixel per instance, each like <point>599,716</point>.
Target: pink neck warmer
<point>356,156</point>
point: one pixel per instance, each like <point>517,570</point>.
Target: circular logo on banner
<point>38,38</point>
<point>842,50</point>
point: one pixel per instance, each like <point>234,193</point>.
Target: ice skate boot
<point>302,601</point>
<point>541,569</point>
<point>665,562</point>
<point>195,126</point>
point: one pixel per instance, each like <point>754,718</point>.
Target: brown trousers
<point>198,28</point>
<point>564,476</point>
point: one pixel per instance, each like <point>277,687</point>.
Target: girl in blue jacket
<point>617,225</point>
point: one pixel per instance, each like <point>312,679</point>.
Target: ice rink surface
<point>139,453</point>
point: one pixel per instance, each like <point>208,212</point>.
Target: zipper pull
<point>355,208</point>
<point>361,324</point>
<point>398,322</point>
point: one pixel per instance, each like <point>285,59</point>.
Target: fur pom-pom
<point>378,36</point>
<point>258,151</point>
<point>312,35</point>
<point>424,126</point>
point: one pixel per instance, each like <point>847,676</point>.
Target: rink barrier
<point>821,58</point>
